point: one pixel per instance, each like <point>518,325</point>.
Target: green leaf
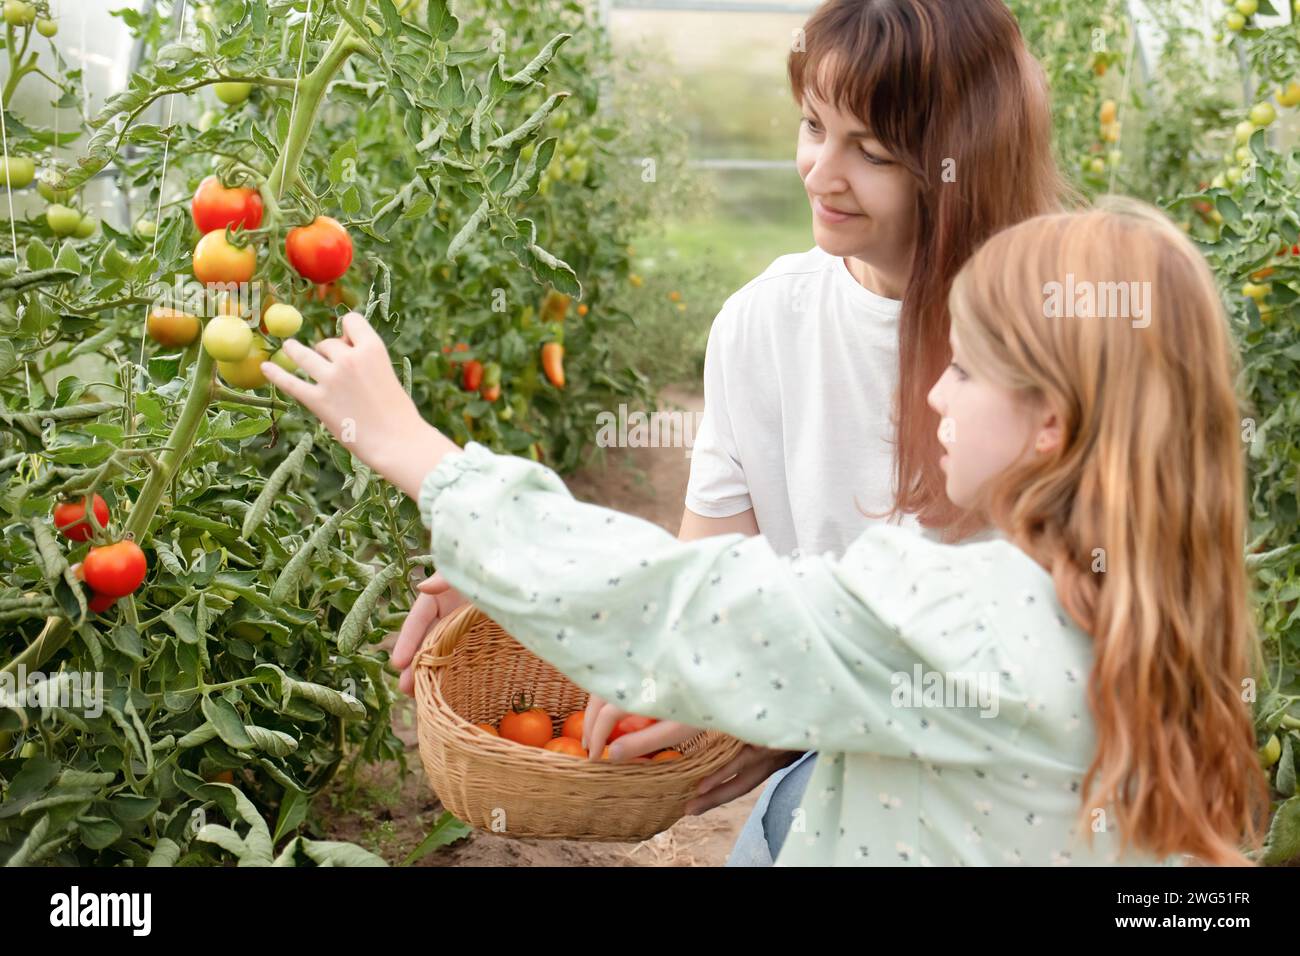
<point>230,728</point>
<point>440,21</point>
<point>1283,840</point>
<point>446,830</point>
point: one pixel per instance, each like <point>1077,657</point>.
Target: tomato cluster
<point>532,727</point>
<point>111,571</point>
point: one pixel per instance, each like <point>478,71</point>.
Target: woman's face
<point>984,428</point>
<point>845,169</point>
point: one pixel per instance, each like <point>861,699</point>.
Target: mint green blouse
<point>942,686</point>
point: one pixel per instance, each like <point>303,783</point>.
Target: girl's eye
<point>811,124</point>
<point>874,160</point>
<point>961,372</point>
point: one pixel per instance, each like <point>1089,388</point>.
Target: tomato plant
<point>217,260</point>
<point>70,518</point>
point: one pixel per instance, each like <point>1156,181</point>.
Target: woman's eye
<point>812,125</point>
<point>961,372</point>
<point>873,159</point>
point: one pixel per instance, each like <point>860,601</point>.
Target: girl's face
<point>985,428</point>
<point>863,202</point>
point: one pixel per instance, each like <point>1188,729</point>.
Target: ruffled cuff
<point>474,457</point>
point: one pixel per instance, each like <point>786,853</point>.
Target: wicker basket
<point>468,672</point>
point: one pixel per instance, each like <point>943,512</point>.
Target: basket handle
<point>441,641</point>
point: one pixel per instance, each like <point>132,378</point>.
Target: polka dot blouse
<point>943,686</point>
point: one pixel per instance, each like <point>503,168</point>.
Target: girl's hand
<point>357,396</point>
<point>599,722</point>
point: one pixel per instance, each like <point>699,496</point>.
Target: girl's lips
<point>831,215</point>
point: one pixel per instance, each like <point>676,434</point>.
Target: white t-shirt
<point>799,377</point>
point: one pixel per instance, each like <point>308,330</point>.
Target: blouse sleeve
<point>790,652</point>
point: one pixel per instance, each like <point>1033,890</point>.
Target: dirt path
<point>391,816</point>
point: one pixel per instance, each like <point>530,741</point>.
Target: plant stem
<point>179,444</point>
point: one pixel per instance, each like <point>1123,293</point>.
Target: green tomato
<point>29,749</point>
<point>49,193</point>
<point>282,320</point>
<point>1116,157</point>
<point>146,228</point>
<point>1261,114</point>
<point>62,220</point>
<point>232,94</point>
<point>19,13</point>
<point>578,169</point>
<point>1097,166</point>
<point>46,28</point>
<point>1247,8</point>
<point>228,338</point>
<point>282,360</point>
<point>1233,175</point>
<point>1235,22</point>
<point>1219,182</point>
<point>86,228</point>
<point>1270,752</point>
<point>1242,132</point>
<point>17,171</point>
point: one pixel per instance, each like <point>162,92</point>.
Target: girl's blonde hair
<point>1139,515</point>
<point>949,88</point>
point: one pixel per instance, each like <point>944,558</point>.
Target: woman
<point>1088,665</point>
<point>809,425</point>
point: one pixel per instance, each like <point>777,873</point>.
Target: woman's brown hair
<point>951,91</point>
<point>1140,515</point>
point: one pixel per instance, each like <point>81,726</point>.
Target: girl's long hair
<point>1140,514</point>
<point>949,88</point>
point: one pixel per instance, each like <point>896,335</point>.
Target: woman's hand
<point>747,770</point>
<point>356,395</point>
<point>436,600</point>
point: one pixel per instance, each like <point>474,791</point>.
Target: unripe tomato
<point>86,227</point>
<point>46,28</point>
<point>1261,114</point>
<point>1247,8</point>
<point>1242,132</point>
<point>282,359</point>
<point>62,220</point>
<point>216,260</point>
<point>1270,752</point>
<point>70,518</point>
<point>321,251</point>
<point>227,338</point>
<point>1234,21</point>
<point>49,193</point>
<point>1257,291</point>
<point>19,13</point>
<point>115,570</point>
<point>146,228</point>
<point>282,320</point>
<point>216,207</point>
<point>1290,96</point>
<point>173,328</point>
<point>246,372</point>
<point>17,171</point>
<point>1109,111</point>
<point>232,94</point>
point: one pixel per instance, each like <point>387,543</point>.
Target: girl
<point>1067,694</point>
<point>925,130</point>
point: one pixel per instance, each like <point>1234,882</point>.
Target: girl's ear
<point>1049,438</point>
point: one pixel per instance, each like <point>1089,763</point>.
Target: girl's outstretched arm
<point>789,652</point>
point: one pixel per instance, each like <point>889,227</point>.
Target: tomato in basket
<point>567,746</point>
<point>526,724</point>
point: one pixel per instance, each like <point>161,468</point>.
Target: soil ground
<point>390,814</point>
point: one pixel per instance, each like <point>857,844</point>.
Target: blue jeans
<point>764,833</point>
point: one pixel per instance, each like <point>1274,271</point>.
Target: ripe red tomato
<point>573,725</point>
<point>115,570</point>
<point>320,252</point>
<point>216,260</point>
<point>70,518</point>
<point>99,603</point>
<point>531,727</point>
<point>630,725</point>
<point>471,375</point>
<point>216,207</point>
<point>666,755</point>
